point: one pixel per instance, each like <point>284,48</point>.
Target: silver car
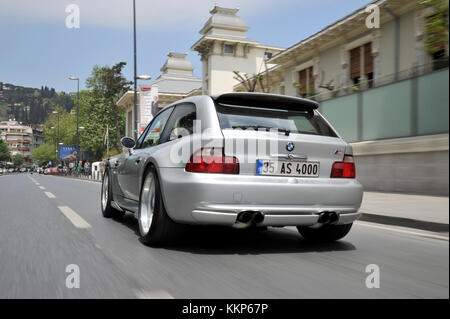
<point>237,159</point>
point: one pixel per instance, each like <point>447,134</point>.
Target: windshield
<point>303,122</point>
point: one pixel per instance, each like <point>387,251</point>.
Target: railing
<point>365,85</point>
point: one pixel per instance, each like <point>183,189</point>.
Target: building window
<point>267,55</point>
<point>306,81</point>
<point>361,64</point>
<point>228,48</point>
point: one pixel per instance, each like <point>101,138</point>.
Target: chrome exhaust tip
<point>246,219</point>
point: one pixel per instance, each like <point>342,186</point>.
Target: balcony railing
<point>365,85</point>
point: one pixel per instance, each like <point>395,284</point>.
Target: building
<point>177,81</point>
<point>381,90</point>
<point>225,48</point>
<point>18,137</point>
<point>38,137</point>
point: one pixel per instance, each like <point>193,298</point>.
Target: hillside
<point>30,105</point>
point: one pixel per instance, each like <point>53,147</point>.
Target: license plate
<point>287,168</point>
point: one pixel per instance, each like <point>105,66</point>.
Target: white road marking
<point>155,294</point>
<point>423,234</point>
<point>41,187</point>
<point>50,195</point>
<point>37,184</point>
<point>76,219</point>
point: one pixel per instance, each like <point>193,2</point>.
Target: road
<point>48,223</point>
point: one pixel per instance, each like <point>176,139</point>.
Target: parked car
<point>307,179</point>
<point>23,169</point>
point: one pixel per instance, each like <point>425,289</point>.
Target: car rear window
<point>302,121</point>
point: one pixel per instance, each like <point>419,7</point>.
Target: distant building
<point>177,81</point>
<point>18,137</point>
<point>224,48</point>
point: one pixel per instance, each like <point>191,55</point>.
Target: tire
<point>326,233</point>
<point>106,197</point>
<point>155,226</point>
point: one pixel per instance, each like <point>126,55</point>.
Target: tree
<point>436,26</point>
<point>44,153</point>
<point>18,159</point>
<point>4,151</point>
<point>95,114</point>
<point>111,84</point>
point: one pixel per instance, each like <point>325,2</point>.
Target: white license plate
<point>287,168</point>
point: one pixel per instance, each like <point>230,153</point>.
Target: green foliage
<point>4,151</point>
<point>40,103</point>
<point>109,84</point>
<point>436,27</point>
<point>95,114</point>
<point>67,128</point>
<point>18,159</point>
<point>44,153</point>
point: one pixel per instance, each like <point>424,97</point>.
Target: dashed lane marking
<point>74,218</point>
<point>154,294</point>
<point>50,195</point>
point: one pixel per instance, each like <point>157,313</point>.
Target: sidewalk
<point>416,211</point>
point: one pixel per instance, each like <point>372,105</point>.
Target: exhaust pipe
<point>327,218</point>
<point>246,219</point>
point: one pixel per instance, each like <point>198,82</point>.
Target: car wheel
<point>326,233</point>
<point>106,197</point>
<point>155,226</point>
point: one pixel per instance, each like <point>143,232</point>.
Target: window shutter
<point>302,81</point>
<point>368,59</point>
<point>355,62</point>
<point>311,79</point>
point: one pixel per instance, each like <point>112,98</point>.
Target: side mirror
<point>127,142</point>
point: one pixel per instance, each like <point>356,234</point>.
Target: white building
<point>18,137</point>
<point>224,48</point>
<point>177,81</point>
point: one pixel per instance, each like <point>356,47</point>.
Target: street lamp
<point>73,78</point>
<point>143,77</point>
<point>57,152</point>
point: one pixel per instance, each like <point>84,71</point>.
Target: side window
<point>155,130</point>
<point>181,122</point>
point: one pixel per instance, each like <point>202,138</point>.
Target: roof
<point>341,26</point>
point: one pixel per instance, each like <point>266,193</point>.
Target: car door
<point>135,158</point>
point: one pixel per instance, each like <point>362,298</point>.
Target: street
<point>48,223</point>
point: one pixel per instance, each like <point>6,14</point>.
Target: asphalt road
<point>41,232</point>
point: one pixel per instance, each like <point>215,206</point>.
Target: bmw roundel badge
<point>290,146</point>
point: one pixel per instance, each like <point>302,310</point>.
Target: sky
<point>37,48</point>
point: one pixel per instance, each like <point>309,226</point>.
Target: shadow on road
<point>214,240</point>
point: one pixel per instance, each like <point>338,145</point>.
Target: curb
<point>405,222</point>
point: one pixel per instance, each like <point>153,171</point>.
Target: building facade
<point>382,91</point>
<point>225,48</point>
<point>18,137</point>
<point>176,82</point>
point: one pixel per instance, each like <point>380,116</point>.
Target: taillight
<point>344,169</point>
<point>212,160</point>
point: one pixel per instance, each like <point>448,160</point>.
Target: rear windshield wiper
<point>267,128</point>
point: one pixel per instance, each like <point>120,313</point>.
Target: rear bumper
<point>217,199</point>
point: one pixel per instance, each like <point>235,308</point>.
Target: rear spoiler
<point>265,100</point>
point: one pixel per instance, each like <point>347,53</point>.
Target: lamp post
<point>143,77</point>
<point>73,78</point>
<point>57,139</point>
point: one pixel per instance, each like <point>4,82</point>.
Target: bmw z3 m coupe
<point>237,159</point>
